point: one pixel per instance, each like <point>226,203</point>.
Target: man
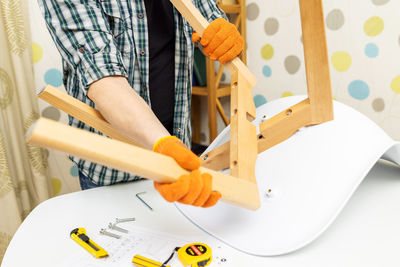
<point>132,60</point>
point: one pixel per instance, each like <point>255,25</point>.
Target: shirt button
<point>179,130</point>
<point>142,52</point>
<point>82,49</point>
<point>140,15</point>
<point>144,87</point>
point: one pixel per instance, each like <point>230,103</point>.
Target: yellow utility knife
<point>79,235</point>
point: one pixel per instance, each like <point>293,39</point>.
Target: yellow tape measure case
<point>195,255</point>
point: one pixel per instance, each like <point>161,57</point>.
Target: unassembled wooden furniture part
<point>215,89</point>
<point>240,154</point>
<point>317,108</point>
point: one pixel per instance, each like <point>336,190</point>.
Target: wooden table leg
<point>211,99</point>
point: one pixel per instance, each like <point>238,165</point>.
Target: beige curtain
<point>24,182</point>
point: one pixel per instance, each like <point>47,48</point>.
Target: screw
<point>124,220</point>
<point>116,228</point>
<point>104,232</point>
<point>268,194</point>
<point>144,202</point>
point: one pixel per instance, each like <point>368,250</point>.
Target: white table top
<point>366,233</point>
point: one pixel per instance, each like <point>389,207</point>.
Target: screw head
<point>268,194</point>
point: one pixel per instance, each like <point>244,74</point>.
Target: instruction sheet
<point>151,244</point>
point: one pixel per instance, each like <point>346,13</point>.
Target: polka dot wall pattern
<point>48,71</point>
<point>363,38</point>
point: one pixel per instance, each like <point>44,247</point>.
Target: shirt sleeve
<point>209,9</point>
<point>83,37</point>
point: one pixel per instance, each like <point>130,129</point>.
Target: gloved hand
<point>193,189</point>
<point>221,40</point>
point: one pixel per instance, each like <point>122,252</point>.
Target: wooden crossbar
<point>133,159</point>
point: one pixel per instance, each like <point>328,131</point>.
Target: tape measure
<point>193,255</point>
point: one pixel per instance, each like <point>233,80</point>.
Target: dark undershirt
<point>161,30</point>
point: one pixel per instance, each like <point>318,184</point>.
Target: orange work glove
<point>193,189</point>
<point>221,40</point>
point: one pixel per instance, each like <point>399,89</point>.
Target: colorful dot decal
<point>380,2</point>
<point>252,11</point>
<point>271,26</point>
<point>335,20</point>
<point>395,85</point>
<point>371,50</point>
<point>51,113</point>
<point>259,100</point>
<point>53,77</point>
<point>378,104</point>
<point>267,52</point>
<point>341,61</point>
<point>267,72</point>
<point>373,26</point>
<point>359,90</point>
<point>37,52</point>
<point>74,171</point>
<point>286,94</point>
<point>292,64</point>
<point>56,184</point>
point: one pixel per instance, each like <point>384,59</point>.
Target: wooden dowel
<point>134,160</point>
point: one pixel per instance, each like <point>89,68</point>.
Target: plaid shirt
<point>99,38</point>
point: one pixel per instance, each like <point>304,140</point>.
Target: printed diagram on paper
<point>155,245</point>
